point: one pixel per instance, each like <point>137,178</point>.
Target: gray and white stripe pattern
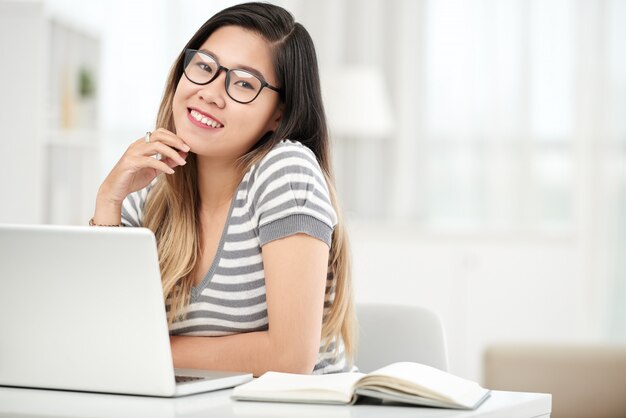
<point>283,194</point>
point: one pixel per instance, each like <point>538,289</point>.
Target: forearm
<point>107,212</point>
<point>295,312</point>
<point>254,352</point>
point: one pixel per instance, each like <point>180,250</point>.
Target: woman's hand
<point>138,167</point>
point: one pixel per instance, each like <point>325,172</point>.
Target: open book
<point>410,383</point>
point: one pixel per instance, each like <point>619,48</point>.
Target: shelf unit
<point>49,115</point>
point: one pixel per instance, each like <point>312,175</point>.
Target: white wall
<point>487,287</point>
<point>22,101</point>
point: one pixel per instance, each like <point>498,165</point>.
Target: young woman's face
<point>237,126</point>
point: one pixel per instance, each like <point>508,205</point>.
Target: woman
<point>253,255</point>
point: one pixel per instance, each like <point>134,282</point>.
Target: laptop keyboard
<point>183,379</point>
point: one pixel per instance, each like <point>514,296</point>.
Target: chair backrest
<point>585,380</point>
<point>391,333</point>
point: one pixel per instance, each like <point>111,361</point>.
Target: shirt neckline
<point>197,290</point>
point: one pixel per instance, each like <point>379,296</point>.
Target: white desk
<point>46,403</point>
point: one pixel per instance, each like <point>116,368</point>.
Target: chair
<point>391,333</point>
<point>584,380</point>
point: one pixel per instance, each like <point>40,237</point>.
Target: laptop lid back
<point>81,308</point>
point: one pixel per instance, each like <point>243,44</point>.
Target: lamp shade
<point>356,101</point>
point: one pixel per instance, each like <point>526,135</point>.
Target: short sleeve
<point>292,195</point>
<point>132,207</point>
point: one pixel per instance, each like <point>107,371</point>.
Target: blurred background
<point>479,145</point>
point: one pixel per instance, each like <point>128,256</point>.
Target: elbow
<point>297,361</point>
<point>304,367</point>
<point>297,367</point>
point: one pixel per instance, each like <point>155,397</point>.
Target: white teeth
<point>205,120</point>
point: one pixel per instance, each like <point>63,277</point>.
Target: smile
<point>205,120</point>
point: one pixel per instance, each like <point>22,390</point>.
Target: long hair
<point>172,208</point>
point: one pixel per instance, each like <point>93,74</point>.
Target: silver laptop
<point>81,308</point>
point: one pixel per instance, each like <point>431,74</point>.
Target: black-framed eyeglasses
<point>241,85</point>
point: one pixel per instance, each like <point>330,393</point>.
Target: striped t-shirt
<point>282,195</point>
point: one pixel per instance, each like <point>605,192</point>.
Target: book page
<point>287,387</point>
<point>426,381</point>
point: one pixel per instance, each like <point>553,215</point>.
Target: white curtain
<point>509,116</point>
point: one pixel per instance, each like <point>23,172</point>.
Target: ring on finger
<point>147,137</point>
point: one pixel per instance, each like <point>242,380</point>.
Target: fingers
<point>166,137</point>
<point>166,145</point>
<point>171,150</point>
<point>157,165</point>
<point>137,167</point>
<point>172,163</point>
<point>166,151</point>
